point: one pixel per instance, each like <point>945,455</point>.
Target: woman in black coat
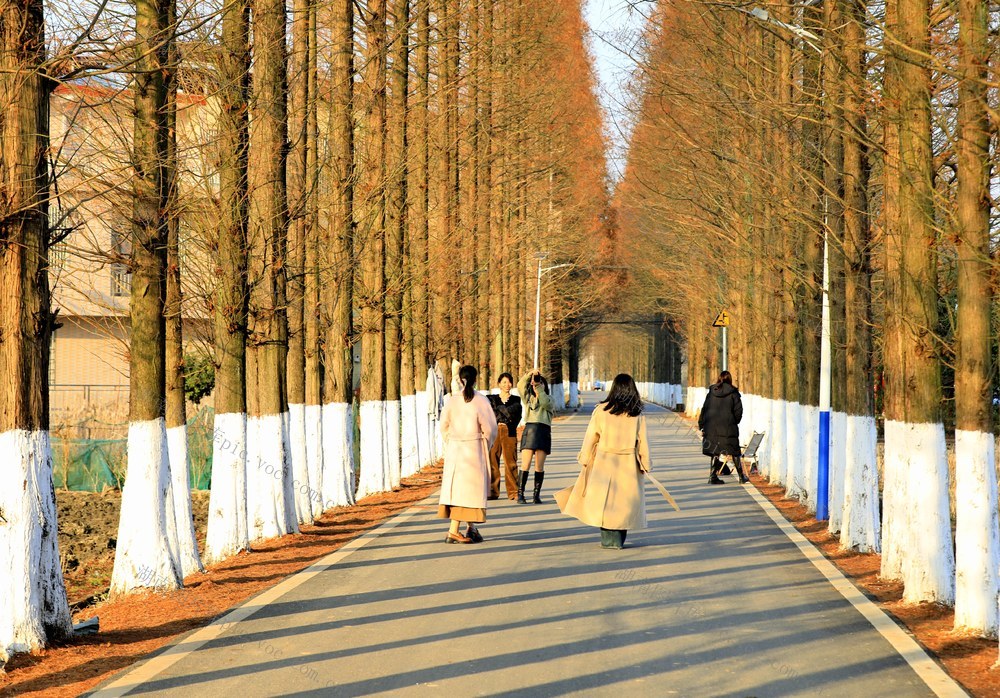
<point>719,425</point>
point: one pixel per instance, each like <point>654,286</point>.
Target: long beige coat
<point>609,490</point>
<point>468,430</point>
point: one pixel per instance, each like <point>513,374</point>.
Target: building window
<point>52,358</point>
<point>121,276</point>
<point>62,224</point>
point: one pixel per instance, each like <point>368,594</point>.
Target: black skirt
<point>721,446</point>
<point>537,437</point>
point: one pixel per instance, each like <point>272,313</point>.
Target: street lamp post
<point>538,299</point>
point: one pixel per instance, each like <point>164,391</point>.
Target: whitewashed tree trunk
<point>227,504</point>
<point>374,476</point>
<point>765,406</point>
<point>977,548</point>
<point>860,527</point>
<point>393,442</point>
<point>298,453</point>
<point>895,506</point>
<point>838,469</point>
<point>314,458</point>
<point>776,467</point>
<point>180,480</point>
<point>143,555</point>
<point>793,451</point>
<point>33,605</point>
<point>929,564</point>
<point>746,424</point>
<point>558,396</point>
<point>267,460</point>
<point>410,435</point>
<point>810,455</point>
<point>338,455</point>
<point>288,478</point>
<point>574,394</point>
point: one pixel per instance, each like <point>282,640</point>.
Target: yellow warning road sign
<point>722,320</point>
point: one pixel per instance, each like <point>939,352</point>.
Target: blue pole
<point>823,481</point>
<point>825,369</point>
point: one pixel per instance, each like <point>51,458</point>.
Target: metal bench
<point>751,449</point>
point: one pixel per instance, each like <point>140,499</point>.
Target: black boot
<point>538,487</point>
<point>520,487</point>
<point>612,539</point>
<point>739,468</point>
<point>713,477</point>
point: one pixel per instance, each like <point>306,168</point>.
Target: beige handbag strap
<point>663,490</point>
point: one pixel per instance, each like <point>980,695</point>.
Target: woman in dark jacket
<point>719,425</point>
<point>507,410</point>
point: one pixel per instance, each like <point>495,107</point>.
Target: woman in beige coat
<point>609,491</point>
<point>468,429</point>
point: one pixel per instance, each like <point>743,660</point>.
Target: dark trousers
<point>717,465</point>
<point>612,538</point>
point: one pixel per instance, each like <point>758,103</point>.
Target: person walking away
<point>608,493</point>
<point>536,439</point>
<point>507,410</point>
<point>719,425</point>
<point>468,430</point>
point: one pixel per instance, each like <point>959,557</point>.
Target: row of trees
<point>856,134</point>
<point>373,179</point>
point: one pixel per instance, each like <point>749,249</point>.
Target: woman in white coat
<point>468,429</point>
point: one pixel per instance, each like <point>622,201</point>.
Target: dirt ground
<point>969,660</point>
<point>88,528</point>
<point>135,626</point>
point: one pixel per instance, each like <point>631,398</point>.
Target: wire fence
<point>84,463</point>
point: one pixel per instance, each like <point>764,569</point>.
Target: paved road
<point>714,601</point>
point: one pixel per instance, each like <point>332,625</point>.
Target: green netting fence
<point>93,465</point>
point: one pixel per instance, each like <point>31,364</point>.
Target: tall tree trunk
<point>574,370</point>
<point>298,234</point>
<point>338,276</point>
<point>227,511</point>
<point>976,536</point>
<point>419,229</point>
<point>894,504</point>
<point>176,413</point>
<point>375,475</point>
<point>445,327</point>
<point>146,556</point>
<point>487,322</point>
<point>35,610</point>
<point>860,527</point>
<point>818,74</point>
<point>397,167</point>
<point>313,282</point>
<point>269,478</point>
<point>914,433</point>
<point>837,271</point>
<point>783,366</point>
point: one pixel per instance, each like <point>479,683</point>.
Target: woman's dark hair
<point>468,374</point>
<point>541,379</point>
<point>507,376</point>
<point>623,398</point>
<point>725,377</point>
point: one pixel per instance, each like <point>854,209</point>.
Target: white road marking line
<point>922,664</point>
<point>174,653</point>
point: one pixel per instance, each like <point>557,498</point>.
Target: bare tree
<point>977,548</point>
<point>147,554</point>
<point>338,293</point>
<point>35,610</point>
<point>227,521</point>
